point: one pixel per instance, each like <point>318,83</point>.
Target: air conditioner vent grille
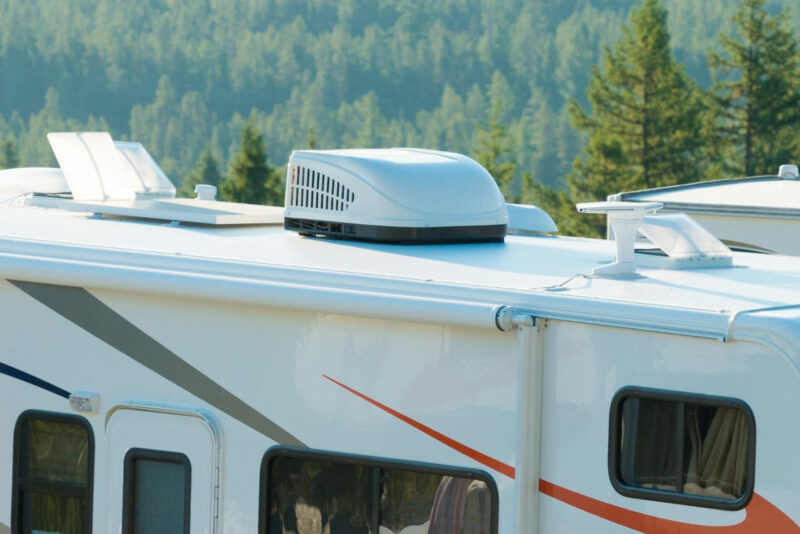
<point>314,190</point>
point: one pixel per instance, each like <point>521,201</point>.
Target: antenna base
<point>624,218</point>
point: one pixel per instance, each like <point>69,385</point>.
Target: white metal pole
<point>529,416</point>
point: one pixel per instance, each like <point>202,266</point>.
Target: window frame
<point>379,463</point>
<point>129,480</point>
<point>680,398</point>
<point>21,486</point>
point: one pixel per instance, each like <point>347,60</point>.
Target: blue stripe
<point>32,380</point>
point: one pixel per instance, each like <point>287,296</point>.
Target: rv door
<point>162,471</point>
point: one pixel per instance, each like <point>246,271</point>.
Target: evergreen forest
<point>561,100</point>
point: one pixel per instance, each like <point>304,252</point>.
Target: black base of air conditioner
<point>396,234</point>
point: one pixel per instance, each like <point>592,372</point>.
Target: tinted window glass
<point>693,449</point>
<point>53,472</point>
<point>433,503</point>
<point>648,444</point>
<point>157,492</point>
<point>311,495</point>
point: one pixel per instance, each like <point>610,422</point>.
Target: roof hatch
<point>397,195</point>
<point>97,168</point>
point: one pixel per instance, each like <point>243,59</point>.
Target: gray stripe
<point>91,314</point>
<point>4,529</point>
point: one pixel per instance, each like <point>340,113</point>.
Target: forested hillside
<point>181,76</point>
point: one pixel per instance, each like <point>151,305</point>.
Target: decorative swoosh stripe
<point>495,464</point>
<point>93,315</point>
<point>762,517</point>
<point>13,372</point>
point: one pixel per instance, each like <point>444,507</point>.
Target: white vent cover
<point>393,195</point>
<point>682,238</point>
<point>92,166</point>
<point>97,168</point>
<point>145,176</point>
<point>789,172</point>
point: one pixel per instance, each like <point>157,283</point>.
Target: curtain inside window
<point>717,464</point>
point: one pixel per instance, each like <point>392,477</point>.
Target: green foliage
<point>493,151</point>
<point>757,92</point>
<point>9,158</point>
<point>250,179</point>
<point>205,171</point>
<point>183,76</point>
<point>494,148</point>
<point>645,127</point>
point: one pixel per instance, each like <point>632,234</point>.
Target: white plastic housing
<point>92,166</point>
<point>789,172</point>
<point>397,187</point>
<point>624,218</point>
<point>27,180</point>
<point>526,219</point>
<point>205,192</point>
<point>143,173</point>
<point>97,168</point>
<point>680,237</point>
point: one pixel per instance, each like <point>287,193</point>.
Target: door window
<point>157,492</point>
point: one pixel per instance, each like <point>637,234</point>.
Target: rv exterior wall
<point>338,382</point>
<point>458,381</point>
<point>586,366</point>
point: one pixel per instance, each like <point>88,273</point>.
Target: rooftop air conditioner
<point>397,195</point>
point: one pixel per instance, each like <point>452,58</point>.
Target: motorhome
<point>758,214</point>
<point>397,351</point>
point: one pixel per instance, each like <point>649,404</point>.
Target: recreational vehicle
<point>397,351</point>
<point>758,214</point>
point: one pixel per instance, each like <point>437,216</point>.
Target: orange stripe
<point>762,517</point>
<point>495,464</point>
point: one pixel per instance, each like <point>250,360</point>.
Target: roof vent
<point>205,192</point>
<point>789,172</point>
<point>144,174</point>
<point>685,241</point>
<point>397,195</point>
<point>97,168</point>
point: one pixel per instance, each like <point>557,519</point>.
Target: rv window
<point>318,492</point>
<point>682,448</point>
<point>53,463</point>
<point>157,492</point>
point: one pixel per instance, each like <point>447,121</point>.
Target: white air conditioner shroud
<point>393,195</point>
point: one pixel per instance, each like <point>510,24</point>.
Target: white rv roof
<point>765,193</point>
<point>510,273</point>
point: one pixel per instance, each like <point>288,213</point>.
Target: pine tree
<point>494,144</point>
<point>311,138</point>
<point>757,92</point>
<point>495,153</point>
<point>205,171</point>
<point>645,127</point>
<point>251,179</point>
<point>9,158</point>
